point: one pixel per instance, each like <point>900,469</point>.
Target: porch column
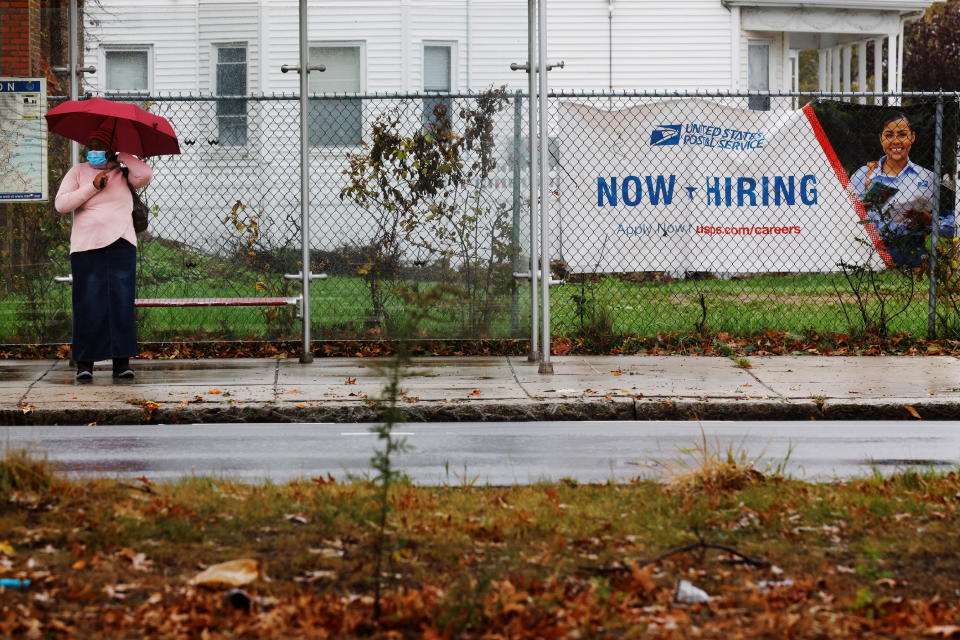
<point>877,67</point>
<point>900,58</point>
<point>862,68</point>
<point>795,70</point>
<point>847,62</point>
<point>822,69</point>
<point>835,69</point>
<point>893,70</point>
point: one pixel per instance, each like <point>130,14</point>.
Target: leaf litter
<point>767,557</point>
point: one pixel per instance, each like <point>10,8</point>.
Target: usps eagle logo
<point>665,135</point>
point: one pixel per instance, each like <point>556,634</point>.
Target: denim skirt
<point>104,289</point>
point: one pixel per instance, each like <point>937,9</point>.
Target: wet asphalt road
<point>487,453</point>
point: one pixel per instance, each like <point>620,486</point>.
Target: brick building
<point>33,41</point>
<point>20,38</point>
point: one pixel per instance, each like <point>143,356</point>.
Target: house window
<point>127,70</point>
<point>758,74</point>
<point>231,80</point>
<point>437,76</point>
<point>336,122</point>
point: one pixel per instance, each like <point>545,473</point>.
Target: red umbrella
<point>134,130</point>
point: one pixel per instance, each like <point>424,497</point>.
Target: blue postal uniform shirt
<point>905,242</point>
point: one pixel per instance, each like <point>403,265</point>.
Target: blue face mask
<point>97,158</point>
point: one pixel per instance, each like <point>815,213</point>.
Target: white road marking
<point>370,433</point>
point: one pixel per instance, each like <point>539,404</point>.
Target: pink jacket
<point>101,216</point>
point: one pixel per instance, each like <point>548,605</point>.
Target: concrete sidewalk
<point>487,388</point>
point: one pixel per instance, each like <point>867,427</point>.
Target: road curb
<point>492,411</point>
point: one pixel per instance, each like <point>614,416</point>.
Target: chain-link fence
<point>226,219</point>
<point>690,213</point>
<point>672,213</point>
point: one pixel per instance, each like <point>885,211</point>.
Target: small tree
<point>268,255</point>
<point>418,306</point>
<point>426,191</point>
<point>882,295</point>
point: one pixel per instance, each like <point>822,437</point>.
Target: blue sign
<point>19,86</point>
<point>665,135</point>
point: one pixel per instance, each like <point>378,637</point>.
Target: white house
<point>178,46</point>
<point>246,151</point>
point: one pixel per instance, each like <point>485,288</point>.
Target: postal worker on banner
<point>888,152</point>
<point>692,185</point>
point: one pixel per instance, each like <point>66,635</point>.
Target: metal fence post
<point>72,64</point>
<point>545,365</point>
<point>532,69</point>
<point>515,226</point>
<point>935,222</point>
<point>306,354</point>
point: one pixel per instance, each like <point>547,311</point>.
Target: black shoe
<point>122,370</point>
<point>84,372</point>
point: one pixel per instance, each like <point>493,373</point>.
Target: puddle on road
<point>904,462</point>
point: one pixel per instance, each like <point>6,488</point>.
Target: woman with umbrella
<point>103,253</point>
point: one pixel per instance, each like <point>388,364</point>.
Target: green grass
<point>341,307</point>
<point>740,307</point>
<point>547,560</point>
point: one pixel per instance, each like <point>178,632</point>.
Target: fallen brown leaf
<point>234,573</point>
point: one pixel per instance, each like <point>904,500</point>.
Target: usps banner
<point>692,185</point>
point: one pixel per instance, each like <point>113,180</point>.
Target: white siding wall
<point>655,44</point>
<point>168,26</point>
<point>499,37</point>
<point>438,22</point>
<point>373,22</point>
<point>228,21</point>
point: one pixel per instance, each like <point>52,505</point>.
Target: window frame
<point>761,42</point>
<point>121,48</point>
<point>214,62</point>
<point>436,95</point>
<point>361,46</point>
<point>760,102</point>
<point>452,46</point>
